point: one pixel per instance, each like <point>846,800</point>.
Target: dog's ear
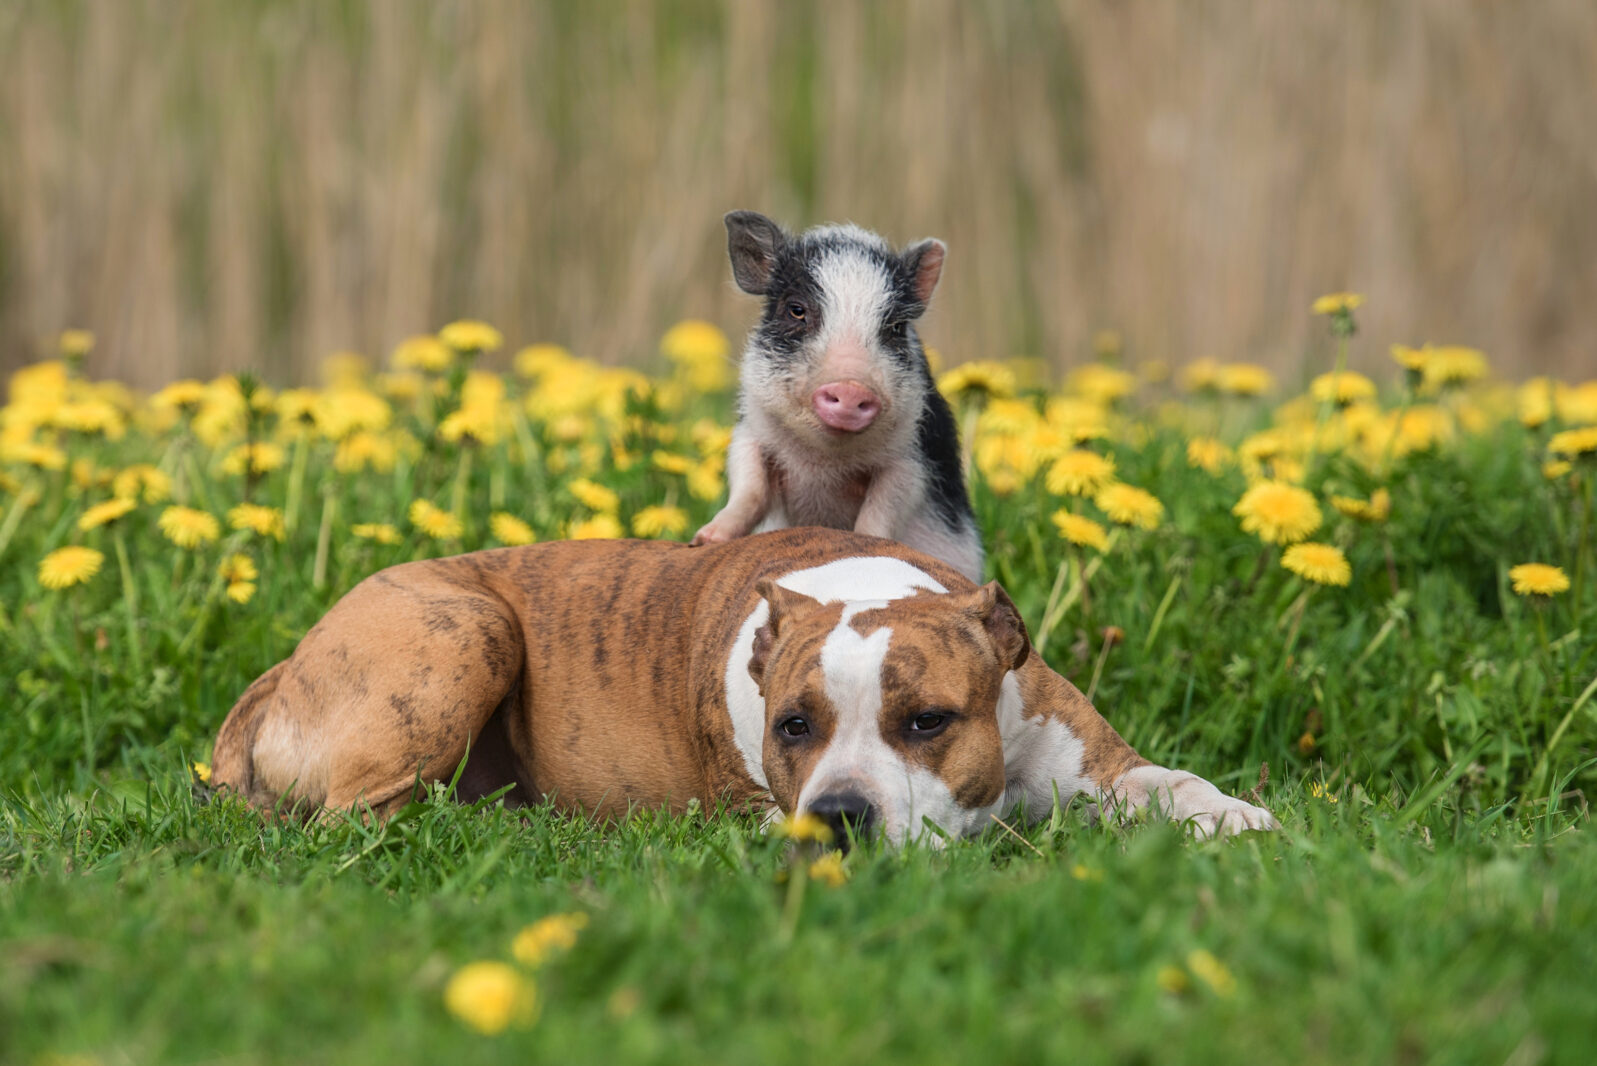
<point>998,616</point>
<point>752,243</point>
<point>785,604</point>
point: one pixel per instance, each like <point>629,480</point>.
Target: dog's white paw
<point>1189,799</point>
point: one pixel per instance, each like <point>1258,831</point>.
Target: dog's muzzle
<point>845,813</point>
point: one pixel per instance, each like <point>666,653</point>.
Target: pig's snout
<point>846,405</point>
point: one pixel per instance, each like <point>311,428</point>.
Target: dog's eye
<point>930,722</point>
<point>796,312</point>
<point>794,726</point>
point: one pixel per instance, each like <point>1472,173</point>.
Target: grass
<point>1430,739</point>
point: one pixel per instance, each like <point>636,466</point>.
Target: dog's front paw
<point>1189,799</point>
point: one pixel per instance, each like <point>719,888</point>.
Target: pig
<point>839,423</point>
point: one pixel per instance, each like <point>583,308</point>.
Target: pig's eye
<point>795,312</point>
<point>898,329</point>
<point>928,723</point>
<point>793,726</point>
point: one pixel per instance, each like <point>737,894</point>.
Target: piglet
<point>839,423</point>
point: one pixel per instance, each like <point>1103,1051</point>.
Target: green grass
<point>1428,898</point>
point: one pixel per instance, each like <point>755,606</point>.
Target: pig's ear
<point>924,261</point>
<point>996,611</point>
<point>752,242</point>
<point>785,604</point>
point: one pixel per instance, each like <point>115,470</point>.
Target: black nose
<point>844,812</point>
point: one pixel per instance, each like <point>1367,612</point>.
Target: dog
<point>809,670</point>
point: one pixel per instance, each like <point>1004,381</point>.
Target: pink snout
<point>846,405</point>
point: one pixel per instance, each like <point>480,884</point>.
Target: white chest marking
<point>1041,755</point>
<point>870,578</point>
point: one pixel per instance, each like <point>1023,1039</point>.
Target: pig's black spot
<point>938,437</point>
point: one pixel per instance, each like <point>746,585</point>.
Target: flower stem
<point>324,537</point>
<point>130,598</point>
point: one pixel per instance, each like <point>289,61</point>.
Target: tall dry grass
<point>214,186</point>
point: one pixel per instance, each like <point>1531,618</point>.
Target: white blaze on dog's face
<point>884,712</point>
<point>834,358</point>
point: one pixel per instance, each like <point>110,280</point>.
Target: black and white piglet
<point>839,423</point>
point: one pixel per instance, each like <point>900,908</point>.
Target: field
<point>1317,597</point>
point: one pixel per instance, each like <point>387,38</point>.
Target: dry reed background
<point>215,186</point>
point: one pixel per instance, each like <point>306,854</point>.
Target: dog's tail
<point>233,760</point>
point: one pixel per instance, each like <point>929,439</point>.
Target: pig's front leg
<point>895,495</point>
<point>1055,743</point>
<point>748,494</point>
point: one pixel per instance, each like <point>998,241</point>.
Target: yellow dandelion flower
<point>599,527</point>
<point>188,528</point>
<point>705,481</point>
<point>185,395</point>
<point>1318,790</point>
<point>1534,402</point>
<point>1081,530</point>
<point>202,770</point>
<point>434,521</point>
<point>89,416</point>
<point>32,453</point>
<point>75,343</point>
<point>69,566</point>
<point>1378,508</point>
<point>1212,972</point>
<point>700,349</point>
<point>1324,564</point>
<point>240,574</point>
<point>424,352</point>
<point>828,870</point>
<point>1337,303</point>
<point>1574,444</point>
<point>1556,469</point>
<point>261,457</point>
<point>1538,579</point>
<point>508,529</point>
<point>1412,360</point>
<point>296,406</point>
<point>1342,389</point>
<point>1244,379</point>
<point>671,463</point>
<point>257,518</point>
<point>535,360</point>
<point>1207,454</point>
<point>981,378</point>
<point>381,532</point>
<point>340,411</point>
<point>1108,344</point>
<point>1172,979</point>
<point>103,514</point>
<point>1201,375</point>
<point>1008,416</point>
<point>1079,472</point>
<point>491,996</point>
<point>1075,418</point>
<point>594,496</point>
<point>1101,384</point>
<point>469,335</point>
<point>803,827</point>
<point>655,522</point>
<point>1128,505</point>
<point>547,937</point>
<point>479,422</point>
<point>1278,513</point>
<point>1452,365</point>
<point>1577,404</point>
<point>142,479</point>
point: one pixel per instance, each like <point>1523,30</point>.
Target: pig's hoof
<point>712,534</point>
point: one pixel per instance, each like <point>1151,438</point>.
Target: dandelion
<point>1324,564</point>
<point>700,349</point>
<point>1556,469</point>
<point>1278,513</point>
<point>1201,375</point>
<point>537,360</point>
<point>1318,790</point>
<point>1342,388</point>
<point>381,532</point>
<point>803,827</point>
<point>490,996</point>
<point>547,937</point>
<point>185,396</point>
<point>1090,874</point>
<point>469,335</point>
<point>296,406</point>
<point>1574,444</point>
<point>1212,972</point>
<point>1080,530</point>
<point>977,379</point>
<point>89,416</point>
<point>261,457</point>
<point>1378,508</point>
<point>828,869</point>
<point>103,514</point>
<point>705,481</point>
<point>1538,579</point>
<point>1207,454</point>
<point>240,574</point>
<point>595,496</point>
<point>425,352</point>
<point>599,527</point>
<point>189,528</point>
<point>365,450</point>
<point>1452,366</point>
<point>72,565</point>
<point>434,521</point>
<point>1101,384</point>
<point>1244,379</point>
<point>1338,303</point>
<point>1079,472</point>
<point>257,518</point>
<point>1128,505</point>
<point>202,772</point>
<point>1172,979</point>
<point>660,522</point>
<point>671,463</point>
<point>75,343</point>
<point>508,529</point>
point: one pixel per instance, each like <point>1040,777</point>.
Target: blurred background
<point>219,186</point>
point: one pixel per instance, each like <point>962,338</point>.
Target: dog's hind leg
<point>394,685</point>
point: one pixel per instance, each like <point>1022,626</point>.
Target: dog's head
<point>883,714</point>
